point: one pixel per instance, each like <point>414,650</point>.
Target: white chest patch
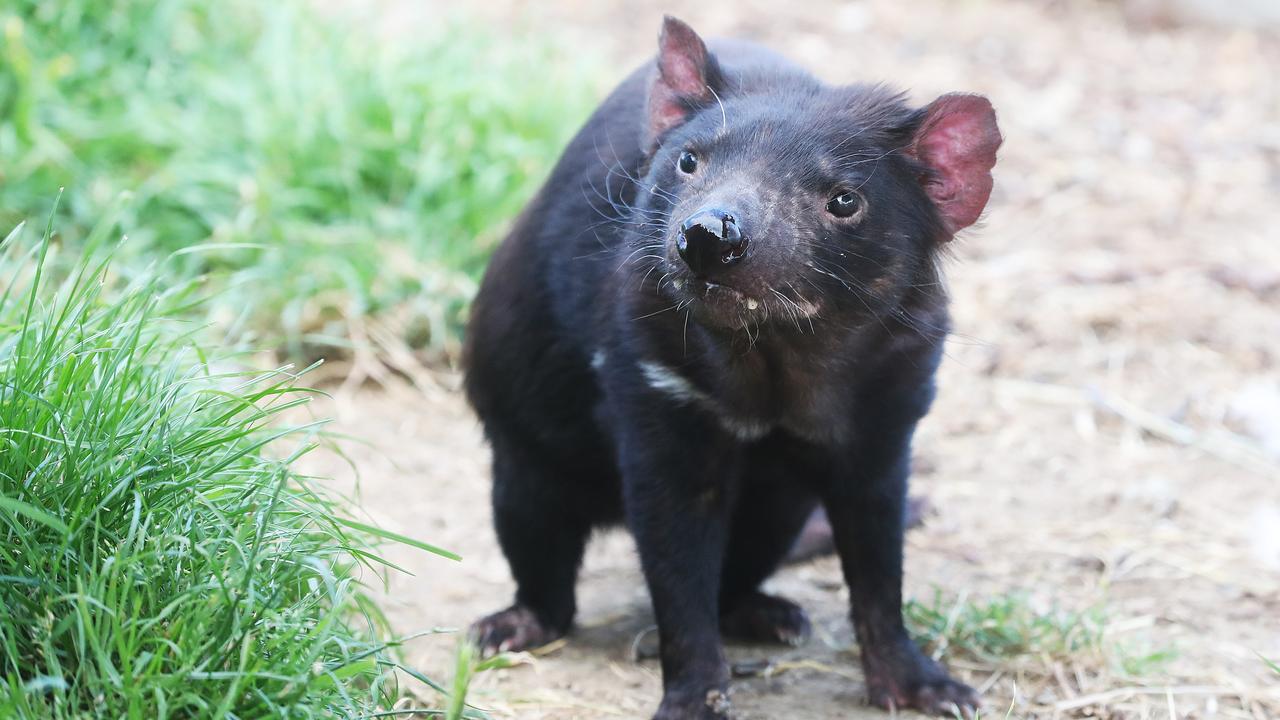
<point>672,384</point>
<point>675,386</point>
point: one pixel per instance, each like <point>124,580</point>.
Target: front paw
<point>712,704</point>
<point>514,629</point>
<point>900,676</point>
<point>935,696</point>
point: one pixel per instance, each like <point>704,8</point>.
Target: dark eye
<point>688,162</point>
<point>846,204</point>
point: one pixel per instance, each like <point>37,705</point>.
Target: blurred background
<point>1103,464</point>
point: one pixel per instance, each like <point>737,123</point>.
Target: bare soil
<point>1108,429</point>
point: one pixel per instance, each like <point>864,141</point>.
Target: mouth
<point>706,288</point>
<point>716,301</point>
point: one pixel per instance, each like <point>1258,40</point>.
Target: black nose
<point>709,240</point>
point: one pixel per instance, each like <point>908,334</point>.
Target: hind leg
<point>817,540</point>
<point>771,509</point>
<point>543,535</point>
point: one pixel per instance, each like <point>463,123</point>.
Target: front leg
<point>866,502</point>
<point>678,471</point>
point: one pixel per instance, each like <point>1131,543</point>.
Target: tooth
<point>752,304</point>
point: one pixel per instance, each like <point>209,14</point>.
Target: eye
<point>688,162</point>
<point>846,204</point>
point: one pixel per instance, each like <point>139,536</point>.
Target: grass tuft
<point>1012,632</point>
<point>467,664</point>
<point>155,559</point>
<point>1002,627</point>
<point>331,177</point>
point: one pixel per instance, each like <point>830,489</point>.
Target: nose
<point>710,240</point>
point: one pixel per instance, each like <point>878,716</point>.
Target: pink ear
<point>683,76</point>
<point>958,141</point>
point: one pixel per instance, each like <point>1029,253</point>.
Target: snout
<point>710,240</point>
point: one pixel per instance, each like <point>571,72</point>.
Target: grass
<point>1030,652</point>
<point>155,559</point>
<point>1002,627</point>
<point>1007,629</point>
<point>293,185</point>
<point>468,663</point>
<point>332,178</point>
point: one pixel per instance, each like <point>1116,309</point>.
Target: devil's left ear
<point>957,141</point>
<point>682,79</point>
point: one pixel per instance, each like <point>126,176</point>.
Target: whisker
<point>724,118</point>
<point>656,312</point>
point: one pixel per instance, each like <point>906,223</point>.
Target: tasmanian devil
<point>722,309</point>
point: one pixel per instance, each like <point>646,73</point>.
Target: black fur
<point>587,324</point>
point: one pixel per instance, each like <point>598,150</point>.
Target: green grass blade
<point>17,507</point>
<point>397,537</point>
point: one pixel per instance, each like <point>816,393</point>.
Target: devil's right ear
<point>683,79</point>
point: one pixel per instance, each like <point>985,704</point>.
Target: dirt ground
<point>1108,429</point>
